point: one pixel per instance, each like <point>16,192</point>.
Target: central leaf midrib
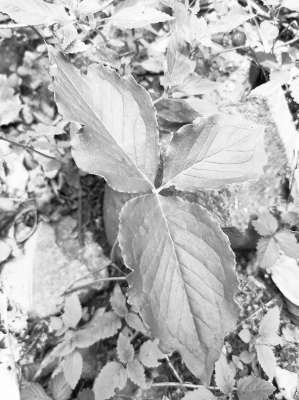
<point>179,266</point>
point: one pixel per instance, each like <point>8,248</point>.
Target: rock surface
<point>51,262</point>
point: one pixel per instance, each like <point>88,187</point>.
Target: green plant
<point>183,280</point>
<point>180,258</point>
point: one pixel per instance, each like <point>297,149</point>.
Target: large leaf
<point>34,12</point>
<point>111,377</point>
<point>219,150</point>
<point>183,279</point>
<point>137,15</point>
<point>119,140</point>
<point>251,387</point>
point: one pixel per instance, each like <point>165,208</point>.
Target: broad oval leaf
<point>252,387</point>
<point>112,376</point>
<point>149,354</point>
<point>136,373</point>
<point>137,15</point>
<point>266,224</point>
<point>219,150</point>
<point>72,311</point>
<point>201,393</point>
<point>183,280</point>
<point>269,326</point>
<point>72,368</point>
<point>266,359</point>
<point>224,375</point>
<point>119,140</point>
<point>34,12</point>
<point>124,348</point>
<point>285,275</point>
<point>102,326</point>
<point>33,391</point>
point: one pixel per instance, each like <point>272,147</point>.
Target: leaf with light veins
<point>217,151</point>
<point>119,140</point>
<point>183,278</point>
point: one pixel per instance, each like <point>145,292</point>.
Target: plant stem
<point>29,148</point>
<point>184,385</point>
<point>87,285</point>
<point>174,371</point>
<point>12,26</point>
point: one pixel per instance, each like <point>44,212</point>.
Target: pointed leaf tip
<point>183,276</point>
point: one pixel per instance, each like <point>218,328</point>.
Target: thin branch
<point>182,385</point>
<point>173,370</point>
<point>29,148</point>
<point>87,285</point>
<point>159,98</point>
<point>258,8</point>
<point>256,312</point>
<point>12,26</point>
<point>79,213</point>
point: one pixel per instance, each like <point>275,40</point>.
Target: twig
<point>255,313</point>
<point>12,26</point>
<point>79,215</point>
<point>174,371</point>
<point>184,385</point>
<point>258,8</point>
<point>159,98</point>
<point>29,148</point>
<point>87,285</point>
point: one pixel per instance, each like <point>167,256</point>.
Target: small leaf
<point>102,326</point>
<point>269,326</point>
<point>61,350</point>
<point>266,224</point>
<point>87,7</point>
<point>288,243</point>
<point>72,311</point>
<point>217,151</point>
<point>201,393</point>
<point>291,4</point>
<point>86,394</point>
<point>134,322</point>
<point>224,375</point>
<point>125,350</point>
<point>266,359</point>
<point>245,335</point>
<point>138,16</point>
<point>118,302</point>
<point>287,382</point>
<point>119,138</point>
<point>59,387</point>
<point>269,32</point>
<point>255,388</point>
<point>33,391</point>
<point>149,354</point>
<point>136,373</point>
<point>294,89</point>
<point>5,251</point>
<point>112,376</point>
<point>267,252</point>
<point>72,368</point>
<point>183,276</point>
<point>10,103</point>
<point>231,20</point>
<point>178,67</point>
<point>285,275</point>
<point>44,13</point>
<point>176,111</point>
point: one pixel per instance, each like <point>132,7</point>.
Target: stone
<point>51,263</point>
